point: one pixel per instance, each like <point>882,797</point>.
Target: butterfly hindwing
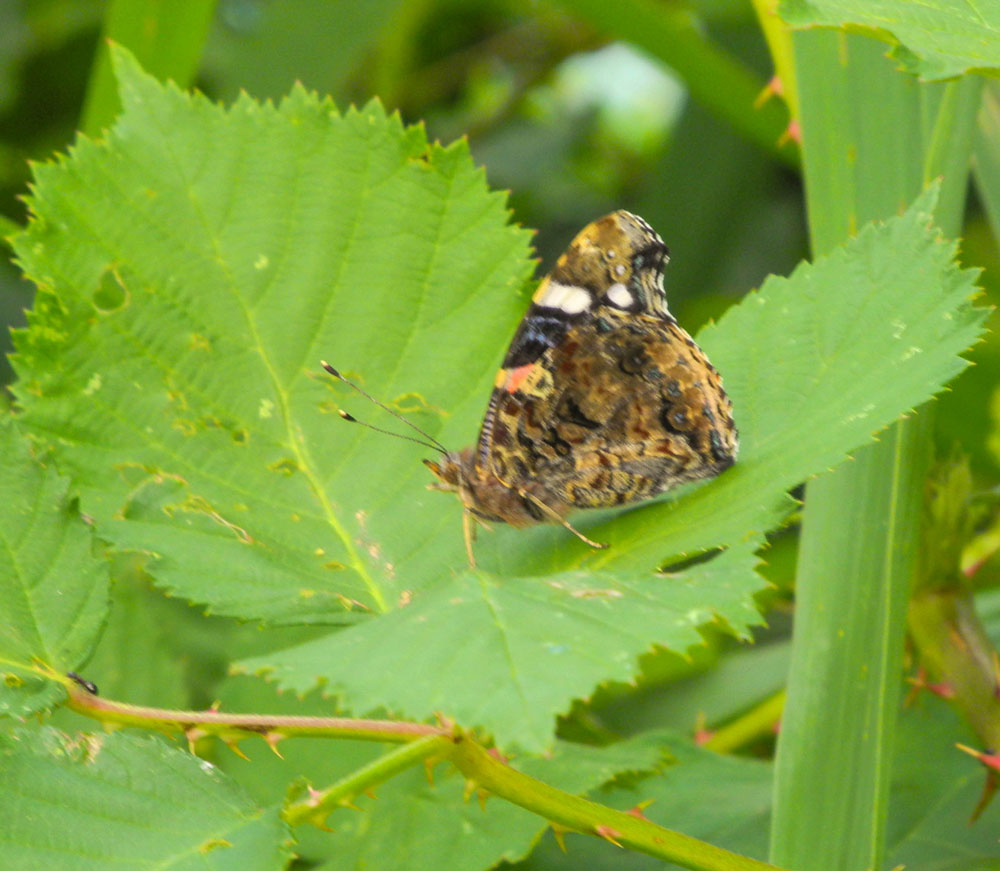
<point>602,396</point>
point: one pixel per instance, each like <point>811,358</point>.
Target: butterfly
<point>602,398</point>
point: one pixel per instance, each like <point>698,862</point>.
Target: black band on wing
<point>541,329</point>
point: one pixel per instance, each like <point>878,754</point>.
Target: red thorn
<point>943,690</point>
<point>774,88</point>
<point>989,758</point>
<point>703,736</point>
<point>496,754</point>
<point>970,570</point>
<point>793,133</point>
<point>371,794</point>
<point>637,811</point>
<point>609,834</point>
<point>919,682</point>
<point>702,733</point>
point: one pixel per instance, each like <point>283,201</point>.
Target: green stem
<point>954,646</point>
<point>572,813</point>
<point>235,727</point>
<point>751,726</point>
<point>318,805</point>
<point>420,742</point>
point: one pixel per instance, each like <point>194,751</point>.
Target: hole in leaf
<point>683,564</point>
<point>111,293</point>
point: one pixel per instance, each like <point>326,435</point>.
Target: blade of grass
<point>986,164</point>
<point>864,127</point>
<point>166,37</point>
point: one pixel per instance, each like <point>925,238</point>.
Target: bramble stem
<point>484,769</point>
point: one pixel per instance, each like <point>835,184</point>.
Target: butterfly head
<point>481,493</point>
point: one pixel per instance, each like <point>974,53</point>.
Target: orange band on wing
<point>512,379</point>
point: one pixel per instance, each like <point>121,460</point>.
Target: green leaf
<point>509,654</point>
<point>186,297</point>
<point>933,39</point>
<point>170,364</point>
<point>54,591</point>
<point>99,801</point>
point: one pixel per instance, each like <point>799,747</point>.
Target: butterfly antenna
<point>431,442</point>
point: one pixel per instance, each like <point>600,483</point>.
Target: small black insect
<point>89,686</point>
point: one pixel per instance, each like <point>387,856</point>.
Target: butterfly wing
<point>603,399</point>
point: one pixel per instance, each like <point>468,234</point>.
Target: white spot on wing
<point>619,295</point>
<point>565,297</point>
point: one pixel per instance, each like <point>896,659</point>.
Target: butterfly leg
<point>469,529</point>
<point>524,494</point>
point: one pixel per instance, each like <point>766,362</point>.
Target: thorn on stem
<point>559,833</point>
<point>609,834</point>
<point>989,758</point>
<point>637,811</point>
<point>234,745</point>
<point>774,88</point>
<point>273,738</point>
<point>194,734</point>
<point>702,734</point>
